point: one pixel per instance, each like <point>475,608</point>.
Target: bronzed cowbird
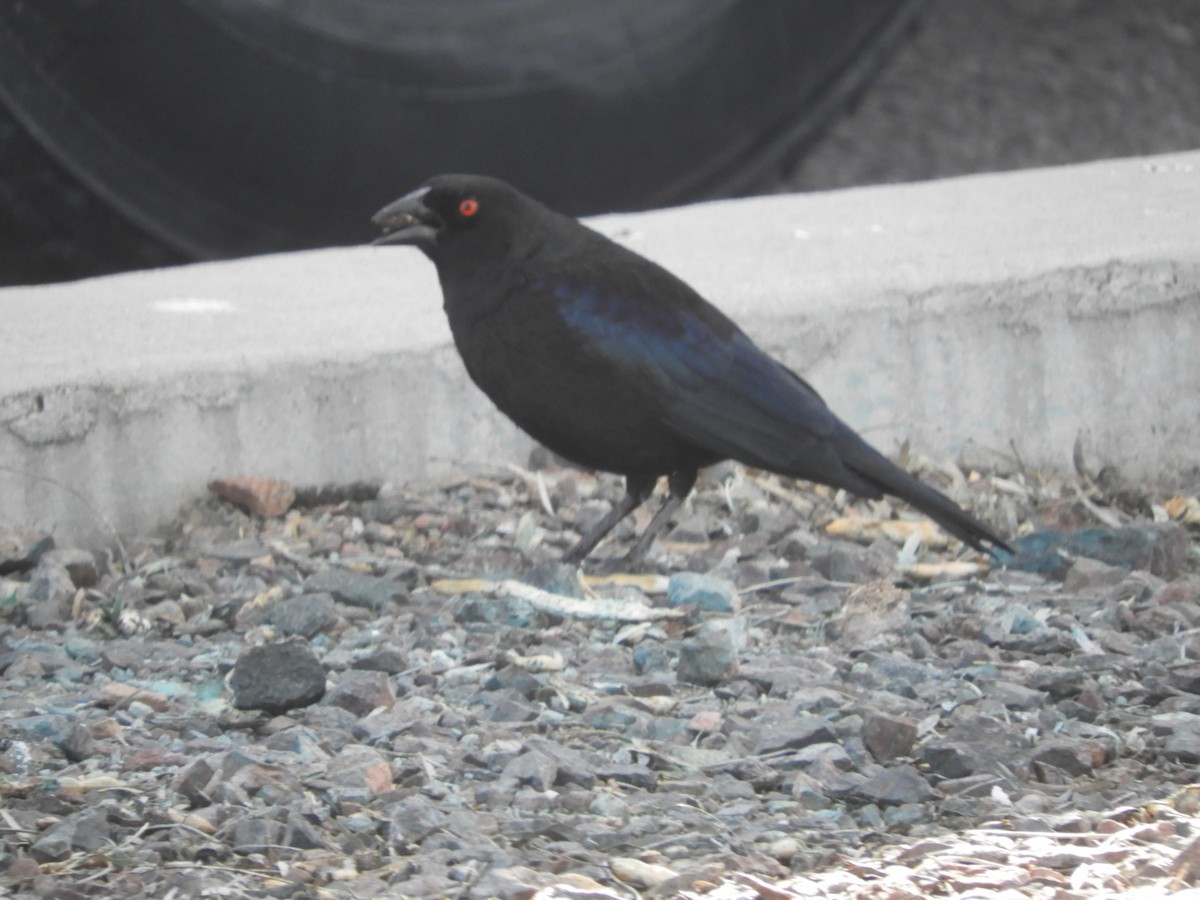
<point>611,361</point>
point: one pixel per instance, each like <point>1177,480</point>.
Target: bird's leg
<point>680,484</point>
<point>637,489</point>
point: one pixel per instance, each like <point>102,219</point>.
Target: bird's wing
<point>713,385</point>
<point>715,388</point>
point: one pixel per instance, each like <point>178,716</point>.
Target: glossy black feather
<point>613,362</point>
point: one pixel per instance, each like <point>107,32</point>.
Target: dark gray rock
<point>51,729</point>
<point>49,596</point>
<point>950,759</point>
<point>413,819</point>
<point>711,656</point>
<point>534,769</point>
<point>355,588</point>
<point>794,734</point>
<point>892,673</point>
<point>358,774</point>
<point>809,792</point>
<point>237,550</point>
<point>1183,747</point>
<point>895,786</point>
<point>22,548</point>
<point>301,741</point>
<point>641,777</point>
<point>194,779</point>
<point>306,615</point>
<point>845,562</point>
<point>1059,682</point>
<point>277,677</point>
<point>1070,756</point>
<point>1087,576</point>
<point>818,756</point>
<point>404,715</point>
<point>80,565</point>
<point>888,737</point>
<point>1186,677</point>
<point>84,831</point>
<point>574,767</point>
<point>1015,696</point>
<point>517,680</point>
<point>507,705</point>
<point>650,657</point>
<point>334,725</point>
<point>383,659</point>
<point>255,832</point>
<point>79,744</point>
<point>361,691</point>
<point>53,845</point>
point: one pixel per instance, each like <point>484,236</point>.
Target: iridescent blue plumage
<point>611,361</point>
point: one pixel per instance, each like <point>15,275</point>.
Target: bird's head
<point>454,209</point>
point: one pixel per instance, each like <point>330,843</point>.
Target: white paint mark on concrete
<point>191,306</point>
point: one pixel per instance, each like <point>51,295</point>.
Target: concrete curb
<point>996,313</point>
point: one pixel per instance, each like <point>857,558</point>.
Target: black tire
<point>166,130</point>
<point>53,227</point>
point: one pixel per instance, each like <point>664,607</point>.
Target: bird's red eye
<point>468,207</point>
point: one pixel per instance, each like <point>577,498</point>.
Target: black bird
<point>616,364</point>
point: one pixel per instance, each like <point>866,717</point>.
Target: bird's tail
<point>877,470</point>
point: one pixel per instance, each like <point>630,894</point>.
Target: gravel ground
<point>799,695</point>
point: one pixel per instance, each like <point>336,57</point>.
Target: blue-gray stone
<point>706,592</point>
<point>1019,620</point>
<point>711,655</point>
<point>651,656</point>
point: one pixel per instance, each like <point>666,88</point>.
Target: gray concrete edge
<point>997,316</point>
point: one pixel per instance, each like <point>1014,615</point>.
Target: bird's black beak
<point>408,220</point>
